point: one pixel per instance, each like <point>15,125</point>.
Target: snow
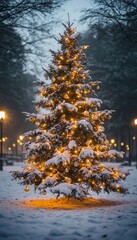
<point>85,124</point>
<point>116,153</point>
<point>72,144</point>
<point>48,181</point>
<point>68,106</point>
<point>67,189</point>
<point>85,153</point>
<point>73,36</point>
<point>59,158</point>
<point>95,101</point>
<point>18,222</point>
<point>34,146</point>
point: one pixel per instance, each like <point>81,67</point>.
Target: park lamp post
<point>112,141</point>
<point>2,117</point>
<point>21,137</point>
<point>135,123</point>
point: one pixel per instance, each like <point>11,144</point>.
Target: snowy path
<point>16,223</point>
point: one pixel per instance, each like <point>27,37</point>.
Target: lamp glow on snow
<point>66,151</point>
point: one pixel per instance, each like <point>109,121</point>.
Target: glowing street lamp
<point>112,141</point>
<point>20,142</point>
<point>135,121</point>
<point>2,117</point>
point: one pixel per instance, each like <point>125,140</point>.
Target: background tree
<point>31,17</point>
<point>69,143</point>
<point>28,17</point>
<point>116,70</point>
<point>15,85</point>
<point>121,13</point>
<point>112,37</point>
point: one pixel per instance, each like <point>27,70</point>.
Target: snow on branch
<point>34,116</point>
<point>73,36</point>
<point>37,132</point>
<point>69,190</point>
<point>72,144</point>
<point>59,158</point>
<point>86,153</point>
<point>35,148</point>
<point>86,125</point>
<point>116,153</point>
<point>70,107</point>
<point>49,181</point>
<point>93,101</point>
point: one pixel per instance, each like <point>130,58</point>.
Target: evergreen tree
<point>67,148</point>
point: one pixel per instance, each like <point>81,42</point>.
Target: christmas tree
<point>65,153</point>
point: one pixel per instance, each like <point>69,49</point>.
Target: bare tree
<point>121,12</point>
<point>31,18</point>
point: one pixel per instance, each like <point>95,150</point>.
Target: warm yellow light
<point>2,115</point>
<point>53,79</point>
<point>122,144</point>
<point>134,138</point>
<point>135,121</point>
<point>9,148</point>
<point>112,141</point>
<point>21,137</point>
<point>43,168</point>
<point>14,145</point>
<point>115,144</point>
<point>85,47</point>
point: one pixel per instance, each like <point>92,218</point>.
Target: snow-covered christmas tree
<point>67,149</point>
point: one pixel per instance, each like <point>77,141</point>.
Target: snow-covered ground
<point>112,222</point>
